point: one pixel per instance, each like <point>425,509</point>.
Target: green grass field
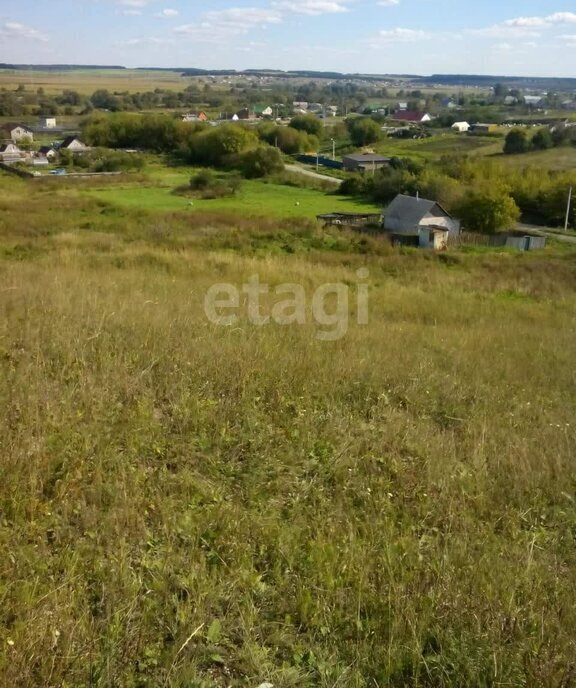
<point>189,505</point>
<point>254,197</point>
<point>559,159</point>
<point>440,144</point>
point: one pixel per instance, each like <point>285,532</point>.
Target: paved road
<point>547,232</point>
<point>314,175</point>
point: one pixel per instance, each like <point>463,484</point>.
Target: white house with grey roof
<point>419,222</point>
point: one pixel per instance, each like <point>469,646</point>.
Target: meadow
<point>254,197</point>
<point>184,504</point>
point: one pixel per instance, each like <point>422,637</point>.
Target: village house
<point>195,117</point>
<point>16,132</point>
<point>419,222</point>
<point>9,152</point>
<point>461,127</point>
<point>74,145</point>
<point>47,152</point>
<point>534,101</point>
<point>360,162</point>
<point>412,116</point>
<point>263,111</point>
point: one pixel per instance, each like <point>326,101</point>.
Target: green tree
<point>308,123</point>
<point>516,142</point>
<point>364,130</point>
<point>488,211</point>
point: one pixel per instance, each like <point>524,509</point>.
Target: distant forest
<point>540,83</point>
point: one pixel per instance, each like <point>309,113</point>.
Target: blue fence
<point>320,160</point>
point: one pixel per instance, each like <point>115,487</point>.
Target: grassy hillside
<point>189,505</point>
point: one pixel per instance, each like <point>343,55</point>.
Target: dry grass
<point>188,505</point>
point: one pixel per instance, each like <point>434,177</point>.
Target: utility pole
<point>333,149</point>
<point>568,210</point>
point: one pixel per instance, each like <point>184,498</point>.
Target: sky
<point>515,37</point>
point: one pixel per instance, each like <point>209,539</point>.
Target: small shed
<point>48,122</point>
<point>420,222</point>
<point>482,128</point>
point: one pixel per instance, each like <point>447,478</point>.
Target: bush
<point>260,162</point>
<point>488,211</point>
<point>516,142</point>
<point>542,139</point>
<point>202,180</point>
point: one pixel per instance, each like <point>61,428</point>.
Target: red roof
<point>410,116</point>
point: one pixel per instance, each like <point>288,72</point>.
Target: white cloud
<point>149,40</point>
<point>15,30</point>
<point>167,13</point>
<point>131,13</point>
<point>243,18</point>
<point>505,31</point>
<point>526,26</point>
<point>134,3</point>
<point>312,7</point>
<point>221,25</point>
<point>400,35</point>
<point>388,3</point>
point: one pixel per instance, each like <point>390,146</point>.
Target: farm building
<point>9,152</point>
<point>412,116</point>
<point>73,144</point>
<point>461,127</point>
<point>16,132</point>
<point>420,222</point>
<point>361,162</point>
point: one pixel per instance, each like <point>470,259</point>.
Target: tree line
<point>486,196</point>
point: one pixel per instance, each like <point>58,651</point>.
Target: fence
<point>320,160</point>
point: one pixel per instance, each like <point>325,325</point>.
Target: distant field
<point>88,81</point>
